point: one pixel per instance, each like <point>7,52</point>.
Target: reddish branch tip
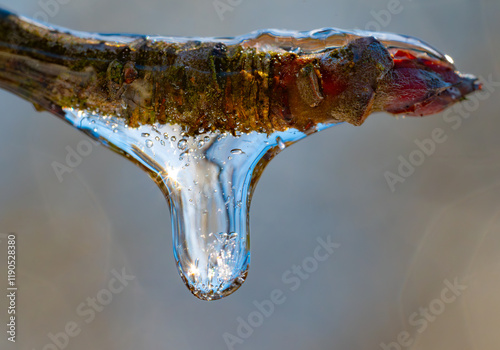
<point>418,86</point>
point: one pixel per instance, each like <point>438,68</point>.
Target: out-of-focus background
<point>417,266</point>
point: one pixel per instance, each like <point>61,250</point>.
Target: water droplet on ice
<point>233,235</point>
<point>182,144</point>
<point>280,143</point>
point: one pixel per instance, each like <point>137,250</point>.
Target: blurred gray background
<point>397,248</point>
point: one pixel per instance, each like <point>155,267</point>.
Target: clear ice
<point>208,181</point>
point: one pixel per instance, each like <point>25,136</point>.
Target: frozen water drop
<point>145,134</point>
<point>149,143</point>
<point>236,151</point>
<point>182,144</point>
<point>280,143</point>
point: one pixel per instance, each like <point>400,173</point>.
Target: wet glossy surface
<point>396,249</point>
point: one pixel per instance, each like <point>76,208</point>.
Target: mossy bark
<point>198,85</point>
